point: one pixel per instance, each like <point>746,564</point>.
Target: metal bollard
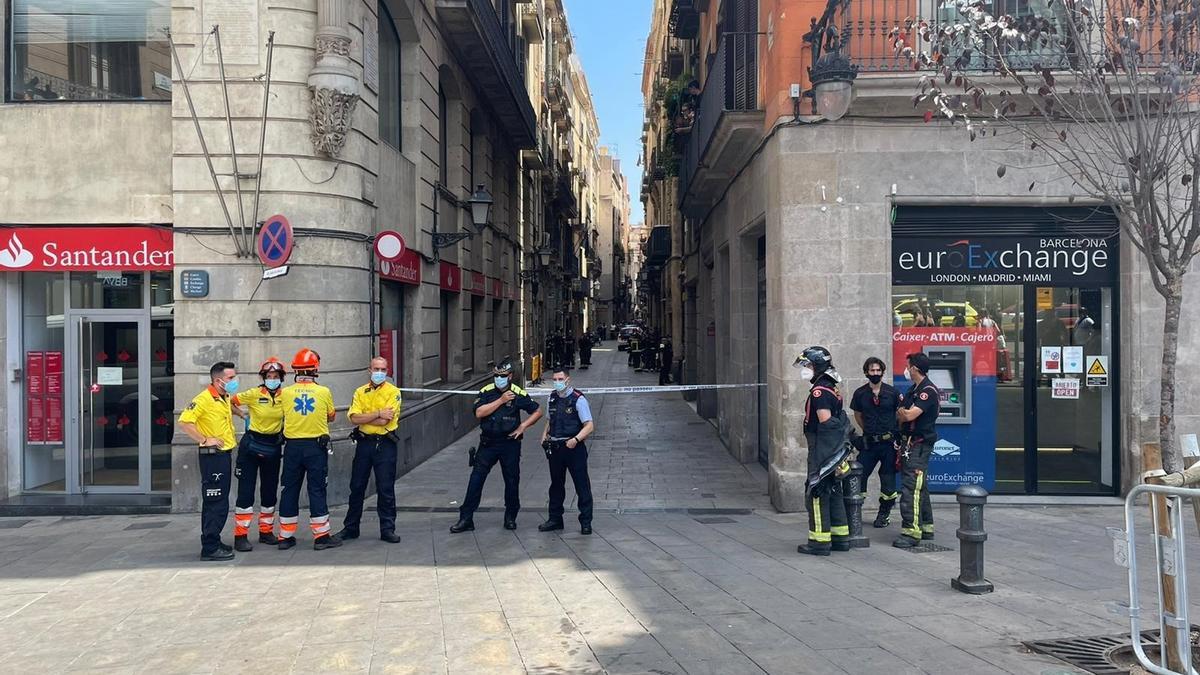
<point>853,498</point>
<point>971,499</point>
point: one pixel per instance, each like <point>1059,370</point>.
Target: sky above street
<point>610,37</point>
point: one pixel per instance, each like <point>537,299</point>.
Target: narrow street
<point>657,588</point>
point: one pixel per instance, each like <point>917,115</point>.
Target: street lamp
<point>831,74</point>
<point>481,208</point>
<point>480,205</point>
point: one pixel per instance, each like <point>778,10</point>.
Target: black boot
<point>390,537</point>
<point>241,544</point>
<point>510,523</point>
<point>326,541</point>
<point>813,549</point>
<point>840,546</point>
<point>286,542</point>
<point>462,526</point>
<point>347,533</point>
<point>550,526</point>
<point>268,538</point>
<point>217,554</point>
<point>905,541</point>
<point>926,534</point>
<point>884,517</point>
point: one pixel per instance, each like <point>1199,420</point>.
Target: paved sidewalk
<point>652,591</point>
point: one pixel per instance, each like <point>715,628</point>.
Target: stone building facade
<point>798,230</point>
<point>381,115</point>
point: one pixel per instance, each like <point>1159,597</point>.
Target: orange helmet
<point>271,364</point>
<point>306,359</point>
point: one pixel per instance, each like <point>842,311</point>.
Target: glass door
<point>1074,450</point>
<point>112,434</point>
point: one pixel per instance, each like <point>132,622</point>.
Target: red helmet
<point>271,364</point>
<point>306,359</point>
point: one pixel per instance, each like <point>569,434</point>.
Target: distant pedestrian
<point>667,360</point>
<point>874,405</point>
<point>585,351</point>
<point>826,430</point>
<point>208,420</point>
<point>917,415</point>
<point>570,423</point>
<point>498,408</point>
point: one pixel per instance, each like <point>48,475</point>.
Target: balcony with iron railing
<point>727,121</point>
<point>871,25</point>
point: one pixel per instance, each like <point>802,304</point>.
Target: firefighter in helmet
<point>307,412</point>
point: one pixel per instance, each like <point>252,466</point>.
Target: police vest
<point>507,417</point>
<point>564,415</point>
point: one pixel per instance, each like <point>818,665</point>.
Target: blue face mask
<point>501,382</point>
<point>378,377</point>
<point>560,386</point>
<point>231,387</point>
<point>272,384</point>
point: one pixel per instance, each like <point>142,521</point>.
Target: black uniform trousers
<point>255,468</point>
<point>305,462</point>
<point>374,452</point>
<point>508,453</point>
<point>214,494</point>
<point>827,514</point>
<point>562,460</point>
<point>882,454</point>
<point>916,511</point>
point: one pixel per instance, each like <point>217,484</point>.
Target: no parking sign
<point>274,242</point>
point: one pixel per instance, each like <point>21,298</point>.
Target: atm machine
<point>965,375</point>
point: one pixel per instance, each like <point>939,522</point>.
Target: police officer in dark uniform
<point>585,351</point>
<point>498,408</point>
<point>827,431</point>
<point>917,415</point>
<point>874,405</point>
<point>563,439</point>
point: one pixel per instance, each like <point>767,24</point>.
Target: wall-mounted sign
<point>1073,360</point>
<point>920,261</point>
<point>110,376</point>
<point>497,289</point>
<point>389,245</point>
<point>274,241</point>
<point>450,277</point>
<point>405,269</point>
<point>194,283</point>
<point>476,283</point>
<point>86,249</point>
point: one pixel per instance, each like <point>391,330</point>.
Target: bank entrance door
<point>109,364</point>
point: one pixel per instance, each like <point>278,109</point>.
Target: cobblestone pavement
<point>657,588</point>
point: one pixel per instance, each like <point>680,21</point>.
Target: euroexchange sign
<point>921,261</point>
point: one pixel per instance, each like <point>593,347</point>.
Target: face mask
<point>272,384</point>
<point>875,379</point>
<point>501,382</point>
<point>231,387</point>
<point>378,377</point>
<point>560,386</point>
<point>807,374</point>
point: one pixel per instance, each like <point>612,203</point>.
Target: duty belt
<point>879,438</point>
<point>211,450</point>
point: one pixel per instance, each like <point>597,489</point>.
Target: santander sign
<point>85,249</point>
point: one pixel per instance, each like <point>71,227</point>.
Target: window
<point>391,328</point>
<point>443,138</point>
<point>90,50</point>
<point>389,79</point>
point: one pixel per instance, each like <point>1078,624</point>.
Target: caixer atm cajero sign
<point>66,249</point>
<point>1003,260</point>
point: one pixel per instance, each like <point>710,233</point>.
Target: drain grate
<point>928,547</point>
<point>1092,654</point>
<point>148,526</point>
<point>715,520</point>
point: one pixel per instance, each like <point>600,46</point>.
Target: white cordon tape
<point>600,390</point>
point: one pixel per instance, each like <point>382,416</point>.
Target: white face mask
<point>807,374</point>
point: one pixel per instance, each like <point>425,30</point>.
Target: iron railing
<point>870,24</point>
<point>731,86</point>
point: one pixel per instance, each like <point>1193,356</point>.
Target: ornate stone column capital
<point>332,81</point>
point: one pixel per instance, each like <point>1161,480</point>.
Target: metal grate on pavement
<point>928,547</point>
<point>148,526</point>
<point>1094,653</point>
<point>715,520</point>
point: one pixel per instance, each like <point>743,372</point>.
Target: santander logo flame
<point>15,255</point>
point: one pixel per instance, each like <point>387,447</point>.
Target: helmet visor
<point>802,362</point>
